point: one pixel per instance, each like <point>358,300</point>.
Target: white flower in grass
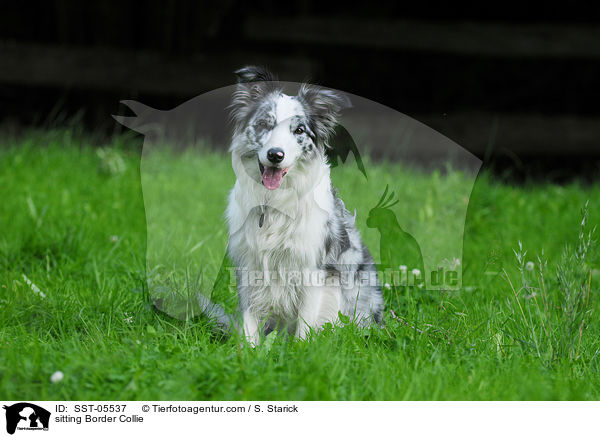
<point>387,286</point>
<point>403,268</point>
<point>128,319</point>
<point>416,272</point>
<point>57,377</point>
<point>529,266</point>
<point>114,238</point>
<point>454,263</point>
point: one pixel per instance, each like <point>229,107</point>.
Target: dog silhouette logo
<point>26,416</point>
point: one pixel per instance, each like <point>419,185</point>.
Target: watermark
<point>93,418</point>
<point>346,276</point>
<point>410,210</point>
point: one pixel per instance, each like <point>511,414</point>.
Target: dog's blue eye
<point>299,130</point>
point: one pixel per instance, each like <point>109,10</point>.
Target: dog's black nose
<point>275,155</point>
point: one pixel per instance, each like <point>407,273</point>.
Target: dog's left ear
<point>253,84</point>
<point>324,107</point>
<point>252,73</point>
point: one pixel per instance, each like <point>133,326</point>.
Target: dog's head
<point>276,134</point>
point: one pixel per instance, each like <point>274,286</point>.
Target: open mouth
<point>272,176</point>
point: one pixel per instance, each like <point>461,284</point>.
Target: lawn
<point>74,297</point>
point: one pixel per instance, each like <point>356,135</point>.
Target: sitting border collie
<point>300,260</point>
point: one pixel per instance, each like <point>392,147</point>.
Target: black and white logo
<point>26,416</point>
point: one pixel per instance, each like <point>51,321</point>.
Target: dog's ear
<point>253,84</point>
<point>323,107</point>
<point>252,73</point>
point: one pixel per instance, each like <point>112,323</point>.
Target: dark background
<point>516,84</point>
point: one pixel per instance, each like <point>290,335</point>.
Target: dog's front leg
<point>320,304</point>
<point>251,328</point>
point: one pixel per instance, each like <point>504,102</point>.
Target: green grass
<point>72,222</point>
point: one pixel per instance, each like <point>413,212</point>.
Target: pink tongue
<point>271,177</point>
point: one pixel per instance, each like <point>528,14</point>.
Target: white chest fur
<point>289,243</point>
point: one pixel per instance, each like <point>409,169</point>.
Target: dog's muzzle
<point>272,176</point>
